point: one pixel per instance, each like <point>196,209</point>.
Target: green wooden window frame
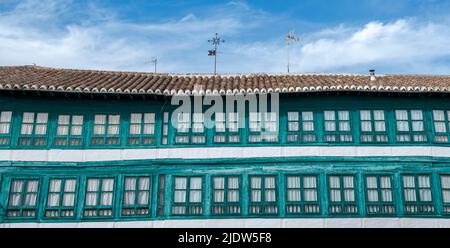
<point>418,196</point>
<point>410,126</point>
<point>187,198</point>
<point>161,193</point>
<point>373,126</point>
<point>6,118</point>
<point>301,127</point>
<point>190,129</point>
<point>263,196</point>
<point>441,126</point>
<point>69,130</point>
<point>34,129</point>
<point>136,199</point>
<point>337,126</point>
<point>61,199</point>
<point>99,200</point>
<point>226,128</point>
<point>23,200</point>
<point>165,129</point>
<point>263,127</point>
<point>445,192</point>
<point>142,129</point>
<point>106,129</point>
<point>379,194</point>
<point>342,194</point>
<point>226,195</point>
<point>302,194</point>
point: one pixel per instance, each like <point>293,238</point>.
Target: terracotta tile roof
<point>88,81</point>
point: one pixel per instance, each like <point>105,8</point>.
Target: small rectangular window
<point>5,127</point>
<point>373,126</point>
<point>190,130</point>
<point>99,197</point>
<point>142,129</point>
<point>161,192</point>
<point>33,131</point>
<point>417,194</point>
<point>227,128</point>
<point>106,130</point>
<point>445,187</point>
<point>410,126</point>
<point>23,198</point>
<point>342,194</point>
<point>301,127</point>
<point>226,198</point>
<point>441,126</point>
<point>188,196</point>
<point>337,126</point>
<point>263,127</point>
<point>263,195</point>
<point>302,196</point>
<point>61,198</point>
<point>136,196</point>
<point>165,129</point>
<point>69,131</point>
<point>379,195</point>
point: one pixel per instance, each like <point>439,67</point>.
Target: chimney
<point>372,75</point>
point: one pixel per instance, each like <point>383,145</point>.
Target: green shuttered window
<point>342,195</point>
<point>441,126</point>
<point>410,126</point>
<point>263,195</point>
<point>23,198</point>
<point>226,198</point>
<point>69,130</point>
<point>373,126</point>
<point>379,195</point>
<point>136,196</point>
<point>188,196</point>
<point>417,194</point>
<point>61,198</point>
<point>99,197</point>
<point>142,129</point>
<point>302,196</point>
<point>106,130</point>
<point>33,131</point>
<point>337,126</point>
<point>5,127</point>
<point>301,127</point>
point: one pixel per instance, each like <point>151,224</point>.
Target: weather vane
<point>290,38</point>
<point>216,41</point>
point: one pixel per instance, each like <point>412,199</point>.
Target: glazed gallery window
<point>410,126</point>
<point>142,129</point>
<point>373,126</point>
<point>61,198</point>
<point>441,126</point>
<point>23,194</point>
<point>69,131</point>
<point>106,130</point>
<point>188,132</point>
<point>302,194</point>
<point>263,127</point>
<point>99,197</point>
<point>187,196</point>
<point>136,196</point>
<point>301,127</point>
<point>417,195</point>
<point>226,199</point>
<point>445,186</point>
<point>33,131</point>
<point>5,127</point>
<point>337,126</point>
<point>226,128</point>
<point>379,195</point>
<point>342,195</point>
<point>263,195</point>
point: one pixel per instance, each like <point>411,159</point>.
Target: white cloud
<point>100,40</point>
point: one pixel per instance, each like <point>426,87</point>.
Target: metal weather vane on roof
<point>216,41</point>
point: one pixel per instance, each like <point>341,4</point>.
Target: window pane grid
<point>373,126</point>
<point>226,129</point>
<point>263,195</point>
<point>226,198</point>
<point>190,129</point>
<point>417,194</point>
<point>61,198</point>
<point>136,196</point>
<point>5,127</point>
<point>445,187</point>
<point>263,127</point>
<point>342,195</point>
<point>337,127</point>
<point>106,130</point>
<point>142,129</point>
<point>23,198</point>
<point>441,126</point>
<point>33,130</point>
<point>69,130</point>
<point>99,197</point>
<point>379,195</point>
<point>410,126</point>
<point>188,196</point>
<point>301,127</point>
<point>302,194</point>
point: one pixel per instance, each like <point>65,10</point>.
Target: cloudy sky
<point>344,36</point>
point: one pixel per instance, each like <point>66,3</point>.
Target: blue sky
<point>345,36</point>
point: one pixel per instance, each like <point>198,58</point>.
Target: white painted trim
<point>252,223</point>
<point>95,155</point>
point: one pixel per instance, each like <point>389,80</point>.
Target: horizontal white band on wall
<point>253,223</point>
<point>95,155</point>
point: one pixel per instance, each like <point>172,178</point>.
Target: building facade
<point>93,148</point>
